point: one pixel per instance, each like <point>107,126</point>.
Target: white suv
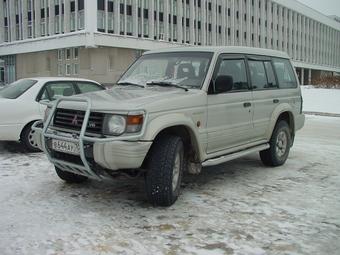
<point>177,110</point>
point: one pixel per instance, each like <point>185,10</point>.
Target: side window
<point>236,69</point>
<point>54,89</point>
<point>85,87</point>
<point>258,74</point>
<point>285,73</point>
<point>270,75</point>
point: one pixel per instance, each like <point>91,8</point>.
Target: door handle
<point>246,105</point>
<point>275,101</point>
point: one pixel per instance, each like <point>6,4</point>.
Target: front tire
<point>70,177</point>
<point>165,170</point>
<point>27,140</point>
<point>280,144</point>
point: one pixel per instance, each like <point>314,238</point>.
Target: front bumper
<point>97,155</point>
<point>113,155</point>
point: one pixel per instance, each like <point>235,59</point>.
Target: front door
<point>230,113</point>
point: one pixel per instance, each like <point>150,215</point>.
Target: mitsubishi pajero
<point>174,111</point>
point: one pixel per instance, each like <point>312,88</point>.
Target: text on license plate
<point>67,147</point>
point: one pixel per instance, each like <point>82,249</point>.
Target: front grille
<point>73,119</point>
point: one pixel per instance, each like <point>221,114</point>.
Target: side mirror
<point>223,83</point>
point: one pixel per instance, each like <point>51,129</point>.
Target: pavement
<point>240,207</point>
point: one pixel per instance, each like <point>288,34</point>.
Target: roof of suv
<point>224,49</point>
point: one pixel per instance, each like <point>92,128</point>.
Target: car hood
<point>133,98</point>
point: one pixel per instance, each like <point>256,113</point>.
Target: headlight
<point>46,114</point>
<point>114,125</point>
<point>119,124</point>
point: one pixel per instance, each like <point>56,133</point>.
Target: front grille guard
<point>68,166</point>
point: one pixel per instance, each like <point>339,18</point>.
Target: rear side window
<point>235,68</point>
<point>270,75</point>
<point>54,89</point>
<point>285,73</point>
<point>16,89</point>
<point>85,87</point>
<point>258,74</point>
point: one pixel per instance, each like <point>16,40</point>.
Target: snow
<point>320,100</point>
<point>240,207</point>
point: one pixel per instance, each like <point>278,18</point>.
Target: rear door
<point>51,90</point>
<point>230,114</point>
<point>265,92</point>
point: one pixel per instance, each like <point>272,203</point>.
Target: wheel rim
<point>176,171</point>
<point>281,143</point>
<point>31,140</point>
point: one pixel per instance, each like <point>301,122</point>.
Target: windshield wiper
<point>130,83</point>
<point>166,84</point>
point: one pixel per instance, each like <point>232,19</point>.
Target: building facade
<point>98,39</point>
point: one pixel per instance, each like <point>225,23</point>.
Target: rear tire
<point>280,144</point>
<point>26,139</point>
<point>70,177</point>
<point>165,170</point>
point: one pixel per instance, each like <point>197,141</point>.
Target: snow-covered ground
<point>321,100</point>
<point>240,207</point>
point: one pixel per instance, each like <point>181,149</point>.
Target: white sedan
<point>20,107</point>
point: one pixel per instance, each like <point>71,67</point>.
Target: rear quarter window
<point>285,73</point>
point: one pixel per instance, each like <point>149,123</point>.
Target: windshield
<point>16,89</point>
<point>178,68</point>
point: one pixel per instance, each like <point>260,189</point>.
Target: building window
<point>75,53</point>
<point>68,54</point>
<point>80,20</point>
<point>60,70</point>
<point>60,54</point>
<point>76,69</point>
<point>68,69</point>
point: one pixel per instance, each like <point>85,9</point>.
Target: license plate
<point>66,147</point>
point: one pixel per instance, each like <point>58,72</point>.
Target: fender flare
<point>160,123</point>
<point>275,116</point>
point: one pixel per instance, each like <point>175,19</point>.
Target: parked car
<point>177,110</point>
<point>20,107</point>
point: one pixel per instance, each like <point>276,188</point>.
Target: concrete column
<point>167,32</point>
<point>203,22</point>
<point>303,41</point>
<point>309,76</point>
<point>248,23</point>
<point>67,16</point>
<point>11,21</point>
<point>90,10</point>
<point>285,33</point>
<point>223,22</point>
<point>152,20</point>
<point>52,17</point>
<point>214,23</point>
<point>256,23</point>
<point>125,17</point>
<point>232,26</point>
<point>134,18</point>
<point>116,17</point>
<point>263,24</point>
<point>269,26</point>
<point>302,76</point>
<point>191,22</point>
<point>75,15</point>
<point>179,21</point>
<point>2,23</point>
